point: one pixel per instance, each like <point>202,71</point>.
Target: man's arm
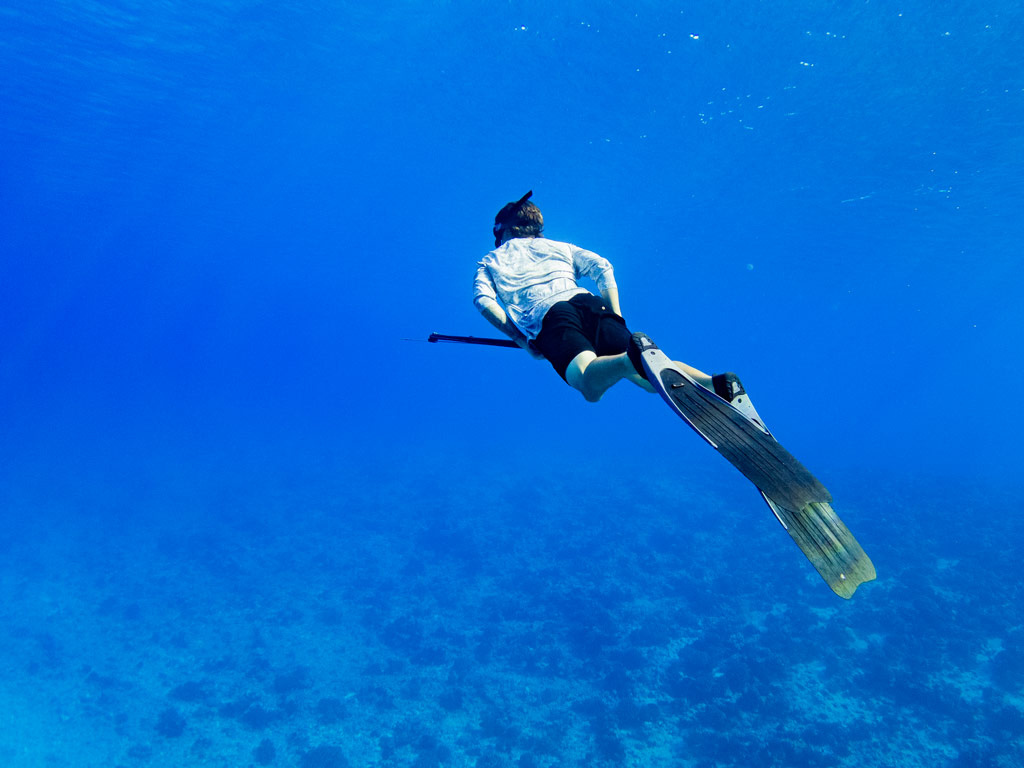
<point>497,317</point>
<point>611,298</point>
<point>599,269</point>
<point>485,299</point>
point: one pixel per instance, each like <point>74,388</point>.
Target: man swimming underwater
<point>527,288</point>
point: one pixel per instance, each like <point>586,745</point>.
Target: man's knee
<point>574,372</point>
<point>576,376</point>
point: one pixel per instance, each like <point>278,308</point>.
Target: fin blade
<point>797,498</point>
<point>826,541</point>
<point>749,448</point>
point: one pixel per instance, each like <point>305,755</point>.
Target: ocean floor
<point>355,618</point>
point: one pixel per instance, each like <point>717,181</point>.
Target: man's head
<point>519,219</point>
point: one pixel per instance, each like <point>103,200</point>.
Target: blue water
<point>245,522</point>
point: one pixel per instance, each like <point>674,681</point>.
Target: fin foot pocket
<point>728,386</point>
<point>638,344</point>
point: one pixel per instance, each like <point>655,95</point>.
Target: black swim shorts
<point>582,323</point>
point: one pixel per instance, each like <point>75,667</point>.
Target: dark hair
<point>519,219</point>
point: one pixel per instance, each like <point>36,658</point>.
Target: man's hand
<point>528,346</point>
<point>496,316</point>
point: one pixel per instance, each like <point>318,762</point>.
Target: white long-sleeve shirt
<point>529,275</point>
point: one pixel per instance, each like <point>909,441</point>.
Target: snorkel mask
<point>507,216</point>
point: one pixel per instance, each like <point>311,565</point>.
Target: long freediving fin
<point>797,498</point>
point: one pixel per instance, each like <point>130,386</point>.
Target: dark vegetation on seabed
<point>573,633</point>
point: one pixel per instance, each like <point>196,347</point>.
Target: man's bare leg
<point>699,376</point>
<point>593,375</point>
